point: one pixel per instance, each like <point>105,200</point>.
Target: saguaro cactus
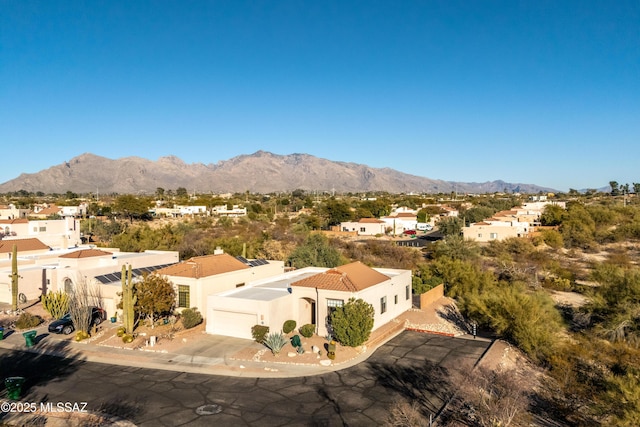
<point>14,278</point>
<point>128,300</point>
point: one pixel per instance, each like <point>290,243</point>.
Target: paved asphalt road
<point>411,367</point>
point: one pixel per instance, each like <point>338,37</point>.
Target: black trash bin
<point>14,387</point>
<point>30,338</point>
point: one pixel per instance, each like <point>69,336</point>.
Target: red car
<point>409,232</point>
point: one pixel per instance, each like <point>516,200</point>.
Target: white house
<point>365,226</point>
<point>488,230</point>
<point>58,234</point>
<point>199,277</point>
<point>42,269</point>
<point>235,211</point>
<point>307,296</point>
<point>11,212</point>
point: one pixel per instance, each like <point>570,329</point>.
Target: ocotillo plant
<point>14,278</point>
<point>128,300</point>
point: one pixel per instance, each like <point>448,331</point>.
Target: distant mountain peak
<point>261,172</point>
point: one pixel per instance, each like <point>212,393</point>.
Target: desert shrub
<point>275,342</point>
<point>28,320</point>
<point>56,303</point>
<point>259,332</point>
<point>288,326</point>
<point>191,317</point>
<point>127,339</point>
<point>307,330</point>
<point>552,238</point>
<point>353,322</point>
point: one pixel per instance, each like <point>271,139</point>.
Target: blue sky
<point>538,92</point>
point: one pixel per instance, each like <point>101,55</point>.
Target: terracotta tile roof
<point>23,245</point>
<point>352,277</point>
<point>370,221</point>
<point>86,253</point>
<point>50,210</point>
<point>14,221</point>
<point>481,223</point>
<point>204,266</point>
<point>406,215</point>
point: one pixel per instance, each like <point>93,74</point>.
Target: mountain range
<point>260,172</point>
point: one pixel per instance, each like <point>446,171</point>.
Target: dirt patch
<point>168,338</point>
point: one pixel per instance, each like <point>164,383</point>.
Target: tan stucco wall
<point>431,296</point>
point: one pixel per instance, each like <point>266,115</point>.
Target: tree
<point>131,206</point>
<point>353,322</point>
<point>156,296</point>
<point>552,215</point>
<point>636,188</point>
<point>181,192</point>
<point>316,252</point>
<point>336,211</point>
<point>450,226</point>
<point>81,301</point>
<point>615,190</point>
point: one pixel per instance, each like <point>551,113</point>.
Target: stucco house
<point>199,277</point>
<point>58,234</point>
<point>492,229</point>
<point>308,295</point>
<point>43,269</point>
<point>365,226</point>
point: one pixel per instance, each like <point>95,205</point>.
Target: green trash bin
<point>14,387</point>
<point>1,333</point>
<point>30,338</point>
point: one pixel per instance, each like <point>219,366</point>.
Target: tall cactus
<point>14,278</point>
<point>128,300</point>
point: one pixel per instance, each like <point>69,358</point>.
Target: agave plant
<point>275,341</point>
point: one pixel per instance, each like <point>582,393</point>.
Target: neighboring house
<point>401,221</point>
<point>57,233</point>
<point>178,210</point>
<point>74,211</point>
<point>45,211</point>
<point>365,226</point>
<point>308,295</point>
<point>491,229</point>
<point>11,212</point>
<point>199,277</point>
<point>42,269</point>
<point>235,211</point>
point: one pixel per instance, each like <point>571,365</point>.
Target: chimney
<point>218,251</point>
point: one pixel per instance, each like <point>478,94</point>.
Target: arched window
<point>68,285</point>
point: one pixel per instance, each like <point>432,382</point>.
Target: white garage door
<point>233,323</point>
<point>5,292</point>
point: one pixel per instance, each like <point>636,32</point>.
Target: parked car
<point>411,232</point>
<point>65,324</point>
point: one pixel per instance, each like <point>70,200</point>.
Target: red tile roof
<point>204,266</point>
<point>352,277</point>
<point>86,253</point>
<point>23,245</point>
<point>370,221</point>
<point>14,221</point>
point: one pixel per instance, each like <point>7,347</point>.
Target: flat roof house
<point>309,295</point>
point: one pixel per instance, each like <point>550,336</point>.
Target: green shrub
<point>258,332</point>
<point>353,322</point>
<point>121,331</point>
<point>127,339</point>
<point>28,320</point>
<point>307,330</point>
<point>288,326</point>
<point>190,317</point>
<point>275,342</point>
<point>56,304</point>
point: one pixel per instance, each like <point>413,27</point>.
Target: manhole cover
<point>208,410</point>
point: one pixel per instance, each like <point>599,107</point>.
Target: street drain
<point>208,409</point>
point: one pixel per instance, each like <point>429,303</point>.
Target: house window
<point>493,235</point>
<point>407,292</point>
<point>43,229</point>
<point>183,296</point>
<point>239,285</point>
<point>362,229</point>
<point>479,235</point>
<point>68,286</point>
<point>383,305</point>
<point>395,299</point>
<point>333,304</point>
